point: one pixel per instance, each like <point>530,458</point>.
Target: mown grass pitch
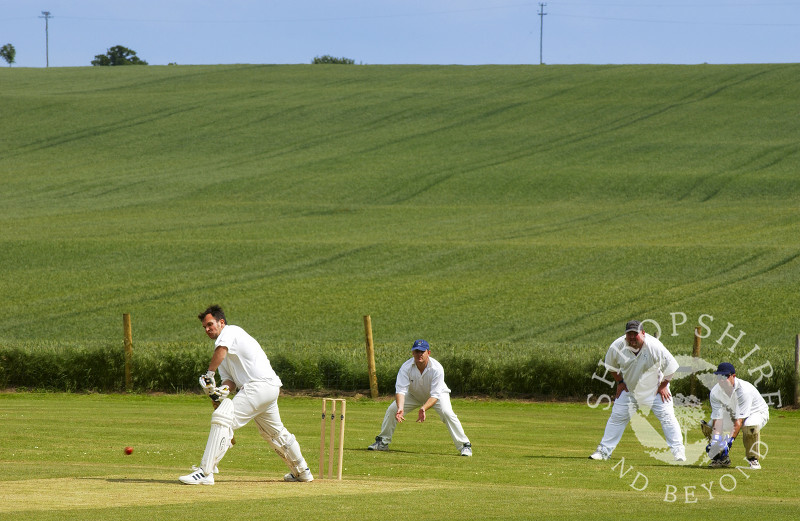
<point>63,459</point>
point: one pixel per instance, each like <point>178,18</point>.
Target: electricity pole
<point>541,29</point>
<point>46,35</point>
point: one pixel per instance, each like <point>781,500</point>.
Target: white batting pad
<point>219,438</point>
<point>289,450</point>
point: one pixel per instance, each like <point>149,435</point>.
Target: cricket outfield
<point>64,459</point>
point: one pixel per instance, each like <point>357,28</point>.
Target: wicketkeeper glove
<point>716,446</point>
<point>728,443</point>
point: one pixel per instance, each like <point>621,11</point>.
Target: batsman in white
<point>420,383</point>
<point>642,368</point>
<point>737,404</point>
<point>244,366</point>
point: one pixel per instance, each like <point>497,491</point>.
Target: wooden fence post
<point>373,377</point>
<point>695,355</point>
<point>797,371</point>
<point>126,326</point>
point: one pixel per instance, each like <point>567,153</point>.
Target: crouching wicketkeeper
<point>739,402</point>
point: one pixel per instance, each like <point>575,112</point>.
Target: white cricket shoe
<point>680,457</point>
<point>597,455</point>
<point>754,464</point>
<point>378,445</point>
<point>466,449</point>
<point>197,477</point>
<point>304,476</point>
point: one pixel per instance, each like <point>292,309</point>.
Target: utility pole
<point>46,35</point>
<point>541,29</point>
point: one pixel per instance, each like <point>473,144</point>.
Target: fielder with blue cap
<point>420,383</point>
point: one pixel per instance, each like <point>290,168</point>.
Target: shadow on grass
<point>175,481</point>
<point>130,480</point>
<point>412,452</point>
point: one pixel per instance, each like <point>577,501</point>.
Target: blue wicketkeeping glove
<point>717,445</point>
<point>727,443</point>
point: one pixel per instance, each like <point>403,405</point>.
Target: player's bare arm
<point>401,400</point>
<point>737,426</point>
<point>216,359</point>
<point>663,389</point>
<point>425,406</point>
<point>620,384</point>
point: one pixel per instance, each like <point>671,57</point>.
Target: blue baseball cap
<point>725,369</point>
<point>420,345</point>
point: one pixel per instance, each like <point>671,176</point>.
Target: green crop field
<point>62,458</point>
<point>510,208</point>
<point>466,204</point>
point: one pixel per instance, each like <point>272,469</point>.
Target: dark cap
<point>420,345</point>
<point>633,325</point>
<point>725,369</point>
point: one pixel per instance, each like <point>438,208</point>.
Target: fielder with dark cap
<point>420,383</point>
<point>642,368</point>
<point>738,405</point>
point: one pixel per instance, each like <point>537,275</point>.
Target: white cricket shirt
<point>744,401</point>
<point>246,361</point>
<point>430,383</point>
<point>642,372</point>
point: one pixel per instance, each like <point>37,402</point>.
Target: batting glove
<point>223,392</point>
<point>219,393</point>
<point>207,382</point>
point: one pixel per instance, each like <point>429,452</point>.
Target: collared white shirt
<point>429,383</point>
<point>744,401</point>
<point>246,361</point>
<point>642,371</point>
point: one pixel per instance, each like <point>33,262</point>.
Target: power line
<point>46,17</point>
<point>679,22</point>
<point>541,30</point>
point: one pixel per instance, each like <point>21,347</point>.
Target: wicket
<point>343,405</point>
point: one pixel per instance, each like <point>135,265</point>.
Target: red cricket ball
<point>128,450</point>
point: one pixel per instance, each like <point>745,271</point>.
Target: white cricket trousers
<point>258,401</point>
<point>442,407</point>
<point>621,412</point>
<point>757,419</point>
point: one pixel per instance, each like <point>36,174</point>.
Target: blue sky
<point>467,32</point>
